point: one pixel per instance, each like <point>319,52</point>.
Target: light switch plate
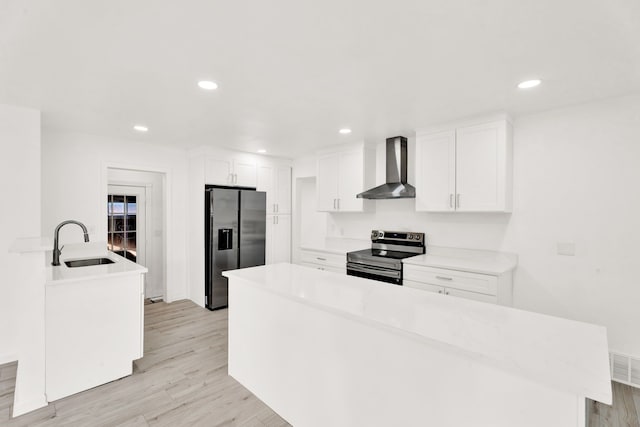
<point>566,248</point>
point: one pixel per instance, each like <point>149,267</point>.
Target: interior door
<point>126,222</point>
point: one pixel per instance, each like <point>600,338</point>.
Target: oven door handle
<point>370,263</point>
<point>374,270</point>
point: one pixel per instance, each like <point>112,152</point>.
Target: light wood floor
<point>181,381</point>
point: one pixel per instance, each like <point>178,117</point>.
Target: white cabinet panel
<point>283,190</point>
<point>467,169</point>
<point>480,167</point>
<point>245,174</point>
<point>350,173</point>
<point>436,172</point>
<point>327,182</point>
<point>266,183</point>
<point>463,284</point>
<point>228,171</point>
<point>278,239</point>
<point>218,171</point>
<point>341,176</point>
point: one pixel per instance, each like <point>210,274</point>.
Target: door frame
<point>168,248</point>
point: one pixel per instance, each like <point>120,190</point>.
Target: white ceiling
<point>293,72</point>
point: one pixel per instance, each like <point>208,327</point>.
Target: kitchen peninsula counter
<point>327,349</point>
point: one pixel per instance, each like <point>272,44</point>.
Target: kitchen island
<point>94,318</point>
<point>324,349</point>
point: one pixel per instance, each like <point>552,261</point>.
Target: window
<point>121,225</point>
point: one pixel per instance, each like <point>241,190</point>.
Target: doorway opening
<point>136,223</point>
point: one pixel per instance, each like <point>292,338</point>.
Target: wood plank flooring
<point>182,381</point>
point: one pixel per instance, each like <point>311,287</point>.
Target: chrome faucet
<point>57,251</point>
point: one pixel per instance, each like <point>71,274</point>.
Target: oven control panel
<point>397,236</point>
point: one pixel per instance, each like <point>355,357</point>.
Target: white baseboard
<point>21,408</point>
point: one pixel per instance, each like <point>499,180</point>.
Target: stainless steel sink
<point>88,262</point>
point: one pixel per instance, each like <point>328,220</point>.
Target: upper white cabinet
<point>232,172</point>
<point>276,182</point>
<point>341,175</point>
<point>466,169</point>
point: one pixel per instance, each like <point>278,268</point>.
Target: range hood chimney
<point>396,186</point>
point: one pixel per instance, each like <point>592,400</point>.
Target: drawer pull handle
<point>446,292</point>
<point>321,259</point>
<point>440,291</point>
<point>444,278</point>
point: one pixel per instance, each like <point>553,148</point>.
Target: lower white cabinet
<point>278,239</point>
<point>93,332</point>
<point>476,286</point>
<point>324,261</point>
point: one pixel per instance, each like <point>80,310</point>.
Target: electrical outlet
<point>566,248</point>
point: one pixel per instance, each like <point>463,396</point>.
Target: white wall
<point>153,182</point>
<point>575,176</point>
<point>22,282</point>
<point>20,213</point>
<point>74,186</point>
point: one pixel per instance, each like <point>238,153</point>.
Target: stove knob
<point>417,237</point>
<point>410,236</point>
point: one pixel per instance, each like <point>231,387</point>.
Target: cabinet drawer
<point>451,291</point>
<point>323,258</point>
<point>473,282</point>
<point>342,270</point>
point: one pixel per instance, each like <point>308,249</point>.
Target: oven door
<point>375,273</point>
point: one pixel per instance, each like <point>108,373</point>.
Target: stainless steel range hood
<point>396,186</point>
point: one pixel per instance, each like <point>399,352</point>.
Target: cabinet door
<point>269,241</point>
<point>218,171</point>
<point>283,190</point>
<point>480,167</point>
<point>266,183</point>
<point>246,173</point>
<point>472,295</point>
<point>351,181</point>
<point>282,239</point>
<point>327,183</point>
<point>423,286</point>
<point>436,172</point>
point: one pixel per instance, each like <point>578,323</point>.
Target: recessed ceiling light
<point>262,151</point>
<point>207,85</point>
<point>141,128</point>
<point>528,84</point>
<point>345,131</point>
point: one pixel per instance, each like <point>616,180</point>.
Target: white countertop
<point>338,246</point>
<point>62,274</point>
<point>473,261</point>
<point>565,354</point>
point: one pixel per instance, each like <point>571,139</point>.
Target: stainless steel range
<point>384,260</point>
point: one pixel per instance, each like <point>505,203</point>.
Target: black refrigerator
<point>235,226</point>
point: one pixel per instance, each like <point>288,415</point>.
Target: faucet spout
<point>56,249</point>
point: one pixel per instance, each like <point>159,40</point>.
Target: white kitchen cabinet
<point>276,182</point>
<point>231,172</point>
<point>94,330</point>
<point>476,286</point>
<point>324,261</point>
<point>278,239</point>
<point>466,169</point>
<point>341,175</point>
